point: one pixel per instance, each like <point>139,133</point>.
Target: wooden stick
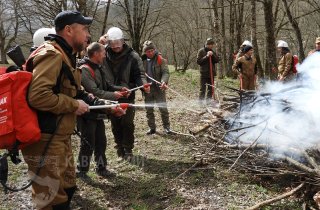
<point>273,200</point>
<point>244,151</point>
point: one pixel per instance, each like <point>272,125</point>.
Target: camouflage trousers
<point>56,181</point>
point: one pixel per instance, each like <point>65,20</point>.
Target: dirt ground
<point>154,178</point>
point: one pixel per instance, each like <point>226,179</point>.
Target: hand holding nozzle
<point>116,108</point>
<point>120,109</point>
<point>124,92</point>
<point>146,87</point>
<point>163,85</point>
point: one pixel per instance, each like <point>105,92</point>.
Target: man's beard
<point>78,47</point>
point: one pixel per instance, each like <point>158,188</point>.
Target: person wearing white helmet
<point>285,65</point>
<point>240,51</point>
<point>39,36</point>
<point>123,67</point>
<point>246,68</point>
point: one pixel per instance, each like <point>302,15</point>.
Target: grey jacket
<point>95,82</point>
<point>160,70</point>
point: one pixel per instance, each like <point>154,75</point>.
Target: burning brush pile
<point>272,132</point>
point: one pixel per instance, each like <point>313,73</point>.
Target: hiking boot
<point>128,155</point>
<point>168,131</point>
<point>151,131</point>
<point>120,152</point>
<point>105,173</point>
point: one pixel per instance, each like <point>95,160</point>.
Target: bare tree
<point>254,37</point>
<point>214,20</point>
<point>296,28</point>
<point>143,19</point>
<point>9,26</point>
<point>105,19</point>
<point>271,58</point>
<point>223,44</point>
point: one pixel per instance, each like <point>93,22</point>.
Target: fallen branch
<point>273,200</point>
<point>183,134</point>
<point>244,146</point>
<point>198,129</point>
<point>244,151</point>
<point>311,161</point>
<point>299,165</point>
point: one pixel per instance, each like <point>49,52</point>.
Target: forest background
<point>178,27</point>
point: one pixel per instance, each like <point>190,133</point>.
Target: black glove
<point>82,95</point>
<point>97,101</point>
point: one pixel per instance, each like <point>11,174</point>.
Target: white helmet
<point>247,43</point>
<point>38,36</point>
<point>115,33</point>
<point>282,43</point>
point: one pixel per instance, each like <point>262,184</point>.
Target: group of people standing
<point>245,65</point>
<point>62,90</point>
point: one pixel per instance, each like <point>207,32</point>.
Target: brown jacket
<point>47,65</point>
<point>285,66</point>
<point>245,66</point>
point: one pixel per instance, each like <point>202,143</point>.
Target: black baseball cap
<point>69,17</point>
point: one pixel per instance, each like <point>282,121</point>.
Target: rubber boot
<point>62,206</point>
<point>70,192</point>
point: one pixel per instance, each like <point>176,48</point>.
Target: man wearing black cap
<point>246,67</point>
<point>204,54</point>
<point>52,92</point>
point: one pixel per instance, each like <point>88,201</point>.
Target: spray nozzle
<point>124,105</point>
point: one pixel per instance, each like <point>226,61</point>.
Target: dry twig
<point>273,200</point>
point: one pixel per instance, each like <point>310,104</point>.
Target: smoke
<point>285,116</point>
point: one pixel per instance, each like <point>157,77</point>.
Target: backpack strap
<point>159,59</point>
<point>65,69</point>
<point>90,70</point>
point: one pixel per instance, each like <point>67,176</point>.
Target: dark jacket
<point>124,69</point>
<point>203,61</point>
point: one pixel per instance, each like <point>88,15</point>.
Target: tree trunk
<point>175,62</point>
<point>271,58</point>
<point>254,37</point>
<point>231,42</point>
<point>105,19</point>
<point>223,45</point>
<point>239,21</point>
<point>3,52</point>
<point>296,29</point>
<point>217,34</point>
